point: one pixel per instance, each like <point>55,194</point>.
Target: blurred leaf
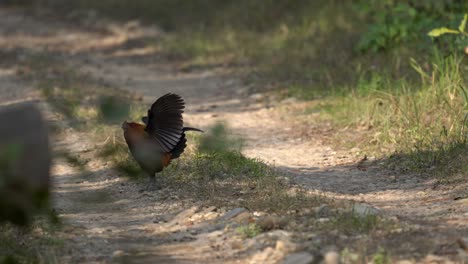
<point>113,109</point>
<point>462,26</point>
<point>218,140</point>
<point>441,31</point>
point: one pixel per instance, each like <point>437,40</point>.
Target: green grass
<point>381,257</point>
<point>249,230</point>
<point>353,56</point>
<point>423,123</point>
<point>350,223</point>
<point>39,243</point>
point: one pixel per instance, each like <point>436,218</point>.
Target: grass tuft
<point>249,231</point>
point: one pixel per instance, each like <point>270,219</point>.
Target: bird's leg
<point>152,184</point>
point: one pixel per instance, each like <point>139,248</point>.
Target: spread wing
<point>164,122</point>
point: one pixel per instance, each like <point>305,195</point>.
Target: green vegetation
<point>392,70</point>
<point>218,140</point>
<point>381,257</point>
<point>249,230</point>
<point>39,243</point>
<point>385,66</point>
<point>350,223</point>
<point>426,122</point>
<point>218,174</point>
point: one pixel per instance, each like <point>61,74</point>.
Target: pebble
<point>322,210</point>
<point>299,258</point>
<point>242,218</point>
<point>289,100</point>
<point>331,257</point>
<point>237,244</point>
<point>257,96</point>
<point>364,210</point>
<point>233,213</point>
<point>118,253</point>
<point>262,257</point>
<point>270,222</point>
<point>285,246</point>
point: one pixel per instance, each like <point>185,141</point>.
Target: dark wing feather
<point>179,148</point>
<point>164,121</point>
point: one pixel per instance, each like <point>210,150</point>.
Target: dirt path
<point>111,221</point>
<point>273,137</point>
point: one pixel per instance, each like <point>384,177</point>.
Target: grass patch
<point>381,257</point>
<point>39,243</point>
<point>73,160</point>
<point>249,231</point>
<point>217,174</point>
<point>423,123</point>
<point>352,54</point>
<point>350,223</point>
<point>93,108</point>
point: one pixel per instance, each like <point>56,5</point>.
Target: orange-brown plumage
<point>162,138</point>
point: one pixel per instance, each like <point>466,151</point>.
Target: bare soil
<point>109,220</point>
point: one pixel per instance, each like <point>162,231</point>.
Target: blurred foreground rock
<point>25,160</point>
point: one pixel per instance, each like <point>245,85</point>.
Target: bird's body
<point>162,138</point>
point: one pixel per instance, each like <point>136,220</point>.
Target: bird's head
<point>131,126</point>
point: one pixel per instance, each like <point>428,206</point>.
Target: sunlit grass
<point>424,122</point>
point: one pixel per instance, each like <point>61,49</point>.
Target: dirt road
<point>110,221</point>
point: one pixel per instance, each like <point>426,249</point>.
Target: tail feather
<point>179,148</point>
<point>192,129</point>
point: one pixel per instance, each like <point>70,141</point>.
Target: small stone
<point>262,257</point>
<point>364,210</point>
<point>118,253</point>
<point>242,218</point>
<point>355,149</point>
<point>285,246</point>
<point>233,213</point>
<point>257,96</point>
<point>270,222</point>
<point>267,222</point>
<point>435,259</point>
<point>322,210</point>
<point>210,209</point>
<point>299,258</point>
<point>237,244</point>
<point>184,215</point>
<point>331,257</point>
<point>210,215</point>
<point>289,100</point>
<point>463,201</point>
<point>463,243</point>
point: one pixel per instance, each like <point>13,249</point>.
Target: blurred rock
<point>257,97</point>
<point>299,258</point>
<point>331,257</point>
<point>264,256</point>
<point>322,211</point>
<point>364,210</point>
<point>243,218</point>
<point>25,160</point>
<point>270,222</point>
<point>233,213</point>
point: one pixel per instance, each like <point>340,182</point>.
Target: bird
<point>161,138</point>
